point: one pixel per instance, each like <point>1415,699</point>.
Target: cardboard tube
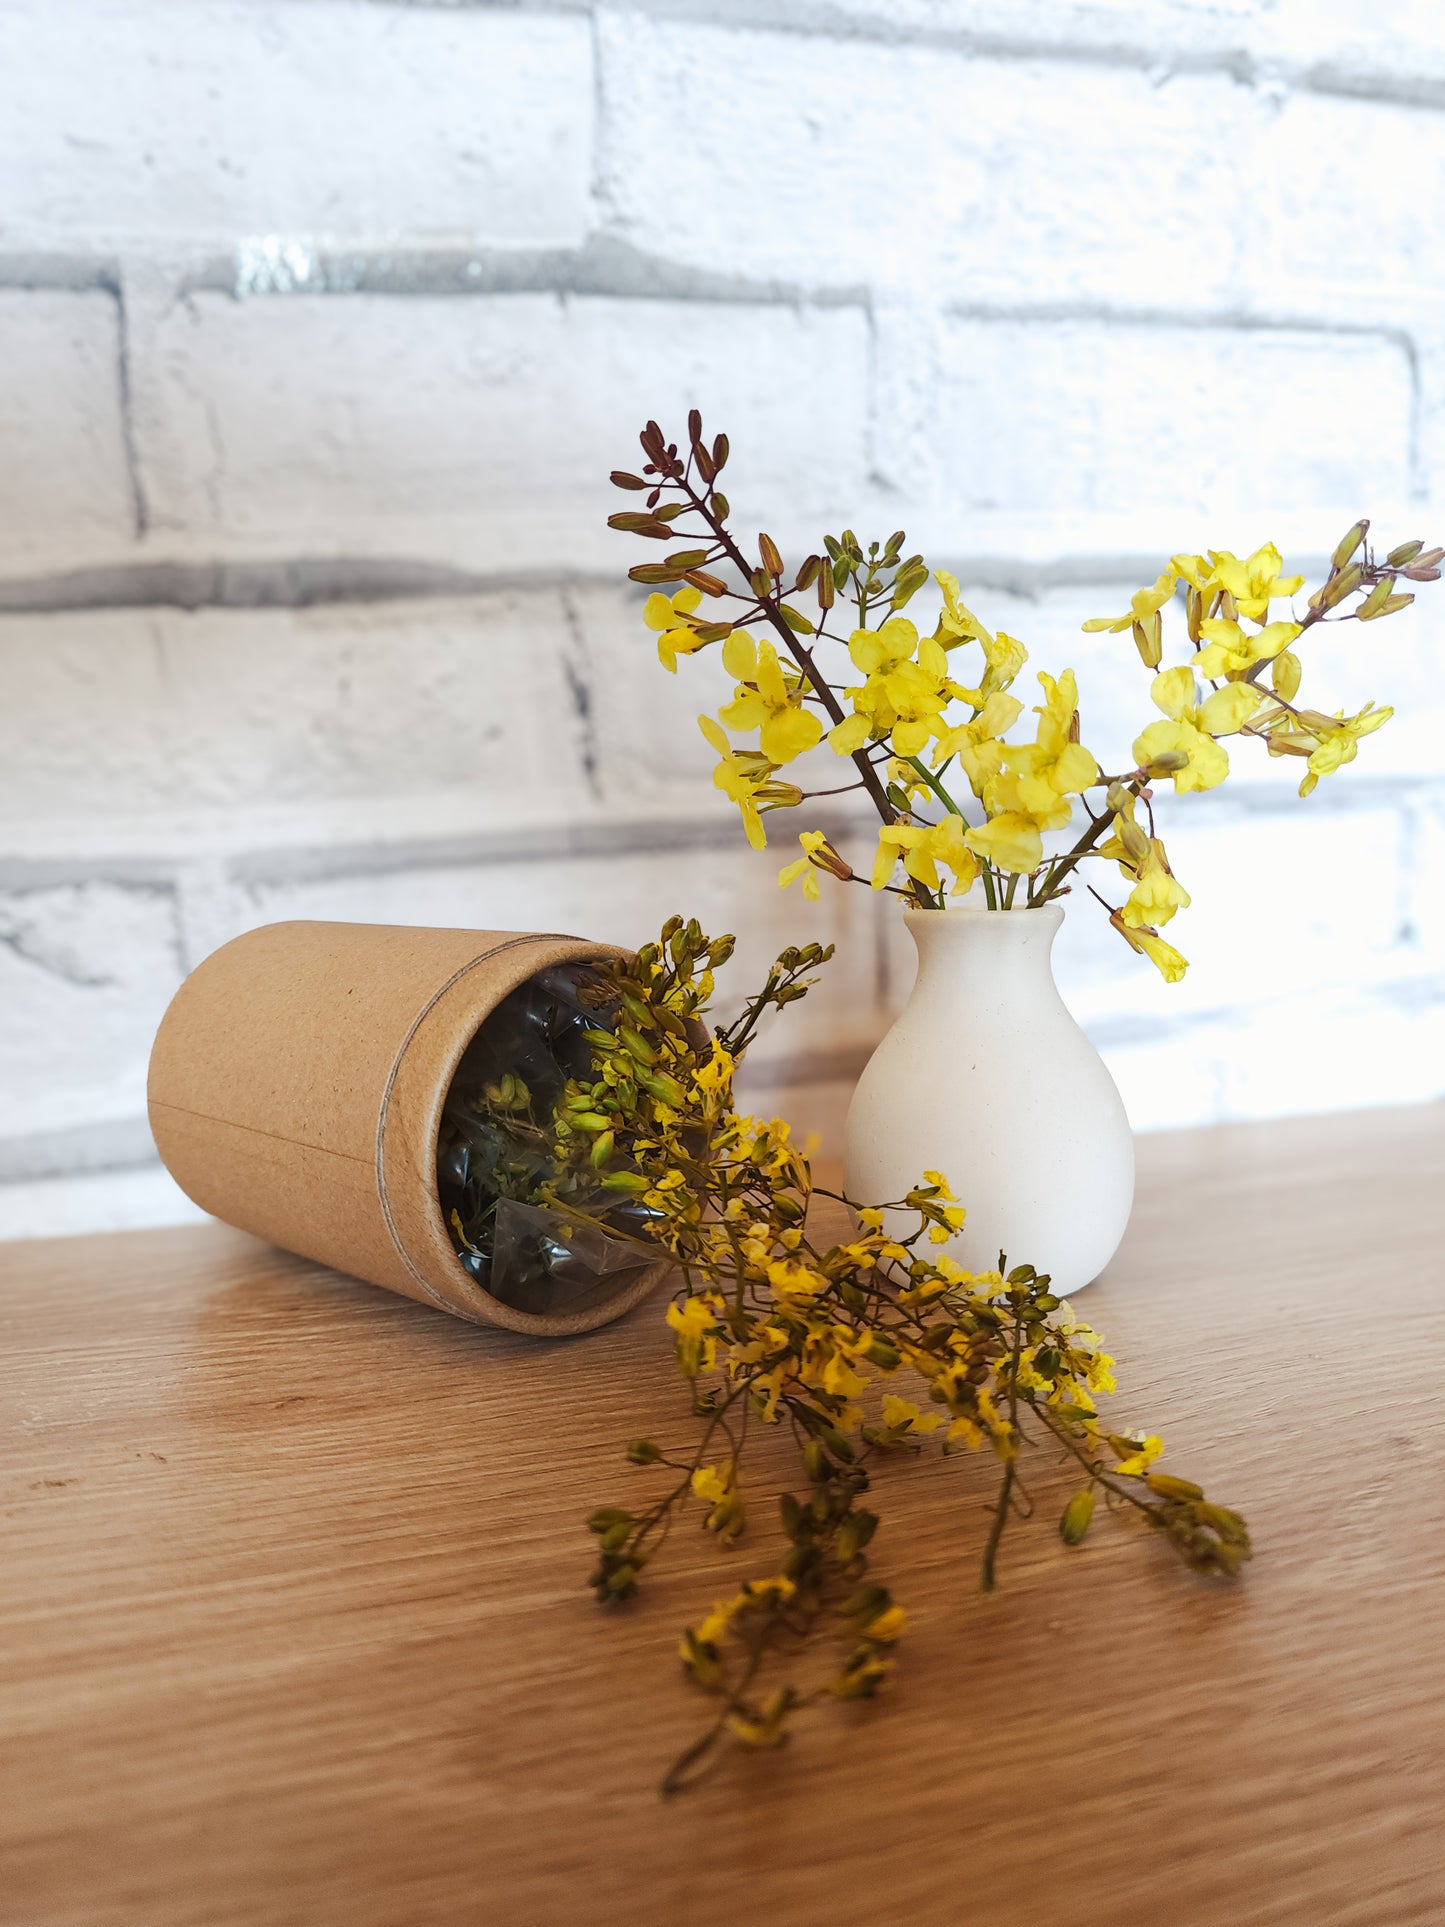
<point>296,1090</point>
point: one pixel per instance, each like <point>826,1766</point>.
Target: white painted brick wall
<point>321,322</point>
<point>191,123</point>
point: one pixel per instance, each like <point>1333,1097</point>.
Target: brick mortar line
<point>314,582</point>
<point>1247,59</point>
<point>308,862</point>
<point>605,267</point>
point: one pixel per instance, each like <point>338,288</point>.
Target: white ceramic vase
<point>988,1079</point>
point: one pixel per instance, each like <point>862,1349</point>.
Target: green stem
<point>1000,1517</point>
<point>792,642</point>
<point>933,783</point>
<point>1061,866</point>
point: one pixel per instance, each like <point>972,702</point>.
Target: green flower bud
<point>1078,1514</point>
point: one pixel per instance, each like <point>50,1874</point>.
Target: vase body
<point>986,1078</point>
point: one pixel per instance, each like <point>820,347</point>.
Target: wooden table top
<point>294,1627</point>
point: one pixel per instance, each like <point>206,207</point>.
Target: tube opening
<point>530,1192</point>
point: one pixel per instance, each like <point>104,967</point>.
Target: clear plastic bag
<point>496,1156</point>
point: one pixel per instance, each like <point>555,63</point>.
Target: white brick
<point>63,479</point>
<point>1351,204</point>
<point>173,715</point>
<point>1050,419</point>
<point>85,973</point>
<point>198,121</point>
<point>839,162</point>
<point>484,429</point>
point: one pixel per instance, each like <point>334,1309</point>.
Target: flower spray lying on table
<point>878,1344</point>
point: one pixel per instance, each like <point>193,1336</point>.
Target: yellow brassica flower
<point>708,1483</point>
<point>903,1412</point>
<point>1031,790</point>
<point>695,1323</point>
<point>767,700</point>
<point>741,778</point>
<point>1004,655</point>
<point>923,847</point>
<point>1010,841</point>
<point>1339,745</point>
<point>1160,746</point>
<point>1162,954</point>
<point>1157,892</point>
<point>1253,583</point>
<point>669,616</point>
<point>976,744</point>
<point>1223,711</point>
<point>1229,651</point>
<point>803,866</point>
<point>1138,1462</point>
<point>1143,606</point>
<point>902,697</point>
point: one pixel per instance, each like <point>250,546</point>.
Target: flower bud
<point>1289,742</point>
<point>825,857</point>
<point>1077,1515</point>
<point>1375,601</point>
<point>1349,542</point>
<point>1388,607</point>
<point>1149,640</point>
<point>1407,551</point>
<point>1135,842</point>
<point>1168,1487</point>
<point>1342,585</point>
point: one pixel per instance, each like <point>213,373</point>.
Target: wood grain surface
<point>294,1629</point>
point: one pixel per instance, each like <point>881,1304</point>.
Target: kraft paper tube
<point>296,1089</point>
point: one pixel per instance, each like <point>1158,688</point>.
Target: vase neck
<point>996,957</point>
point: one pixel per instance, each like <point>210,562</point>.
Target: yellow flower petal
<point>1226,710</point>
<point>851,734</point>
<point>740,656</point>
<point>1172,691</point>
<point>1011,841</point>
<point>909,738</point>
<point>788,733</point>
